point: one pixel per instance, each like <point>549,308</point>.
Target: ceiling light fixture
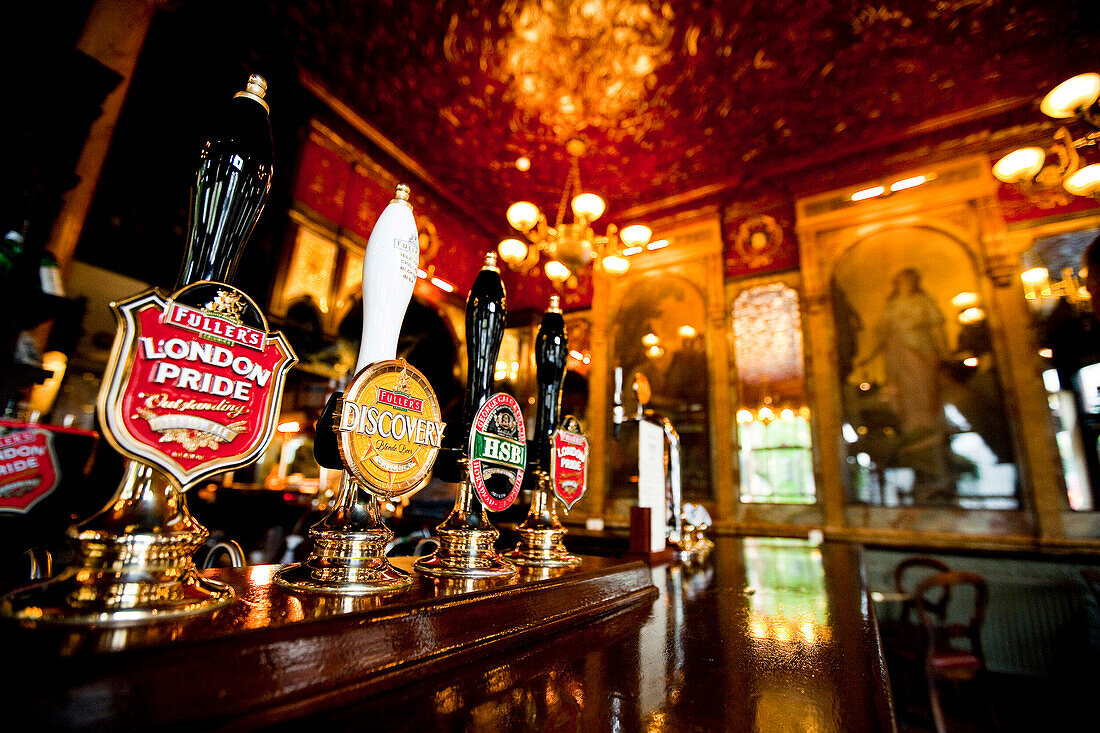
<point>570,246</point>
<point>1073,164</point>
<point>868,193</point>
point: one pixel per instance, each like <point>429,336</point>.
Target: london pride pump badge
<point>569,462</point>
<point>193,389</point>
<point>498,452</point>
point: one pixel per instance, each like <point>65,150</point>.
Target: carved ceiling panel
<point>670,96</point>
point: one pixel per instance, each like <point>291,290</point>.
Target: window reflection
<point>788,605</point>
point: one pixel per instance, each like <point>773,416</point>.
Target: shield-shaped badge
<point>194,382</point>
<point>498,452</point>
<point>569,464</point>
<point>28,469</point>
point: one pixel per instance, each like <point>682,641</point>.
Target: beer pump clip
<point>493,449</point>
<point>561,454</point>
<point>383,432</point>
<point>192,389</point>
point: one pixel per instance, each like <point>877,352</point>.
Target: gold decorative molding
<point>376,136</point>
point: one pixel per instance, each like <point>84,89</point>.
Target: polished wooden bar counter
<point>766,635</point>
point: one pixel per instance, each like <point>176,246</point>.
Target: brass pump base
<point>466,540</point>
<point>540,534</point>
<point>349,553</point>
<point>133,562</point>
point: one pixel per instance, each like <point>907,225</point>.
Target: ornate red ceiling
<point>720,90</point>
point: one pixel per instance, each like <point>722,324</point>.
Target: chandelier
<point>586,63</point>
<point>1075,101</point>
<point>570,246</point>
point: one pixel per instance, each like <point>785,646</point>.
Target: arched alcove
<point>922,409</point>
<point>658,329</point>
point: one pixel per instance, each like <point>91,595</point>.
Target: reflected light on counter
<point>290,426</point>
<point>758,628</point>
<point>576,354</point>
<point>421,274</point>
<point>868,193</point>
<point>659,244</point>
<point>632,251</point>
<point>1046,353</point>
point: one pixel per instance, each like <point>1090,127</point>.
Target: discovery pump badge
<point>389,429</point>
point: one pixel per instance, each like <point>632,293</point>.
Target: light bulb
<point>636,235</point>
<point>1034,276</point>
<point>1019,165</point>
<point>965,299</point>
<point>556,271</point>
<point>512,250</point>
<point>615,264</point>
<point>588,205</point>
<point>522,215</point>
<point>1084,182</point>
<point>1071,95</point>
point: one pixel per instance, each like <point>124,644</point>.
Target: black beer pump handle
<point>551,355</point>
<point>231,186</point>
<point>485,315</point>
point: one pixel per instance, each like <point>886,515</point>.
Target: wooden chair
<point>909,567</point>
<point>944,658</point>
<point>903,637</point>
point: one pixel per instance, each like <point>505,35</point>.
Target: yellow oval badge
<point>389,428</point>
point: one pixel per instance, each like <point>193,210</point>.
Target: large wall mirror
<point>774,447</point>
<point>923,414</point>
<point>659,330</point>
<point>1053,278</point>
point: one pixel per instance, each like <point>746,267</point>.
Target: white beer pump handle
<point>389,274</point>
